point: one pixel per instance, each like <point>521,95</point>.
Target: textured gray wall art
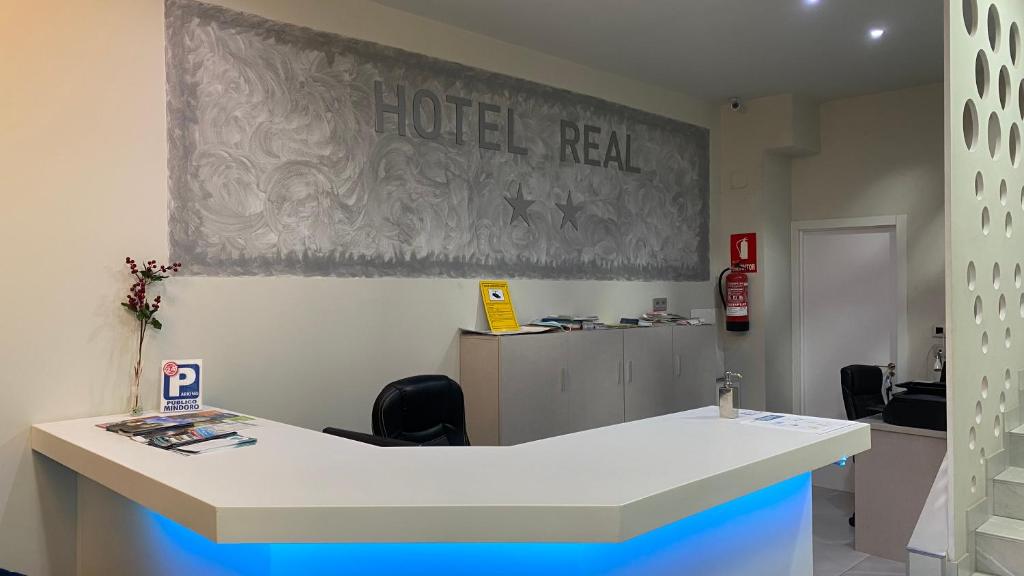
<point>293,151</point>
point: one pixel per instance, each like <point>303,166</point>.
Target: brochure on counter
<point>792,422</point>
<point>186,433</point>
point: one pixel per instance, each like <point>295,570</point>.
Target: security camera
<point>735,105</point>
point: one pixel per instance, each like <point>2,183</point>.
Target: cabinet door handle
<point>629,372</point>
<point>564,377</point>
<point>679,367</point>
<point>620,376</point>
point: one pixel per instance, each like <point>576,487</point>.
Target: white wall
<point>882,154</point>
<point>785,159</point>
<point>83,183</point>
<point>778,316</point>
<point>757,145</point>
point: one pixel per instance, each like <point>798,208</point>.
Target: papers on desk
<point>808,424</point>
<point>187,433</point>
<point>194,435</point>
<point>234,440</point>
<point>164,423</point>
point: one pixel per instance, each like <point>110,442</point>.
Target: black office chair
<point>862,395</point>
<point>416,411</point>
<point>862,391</point>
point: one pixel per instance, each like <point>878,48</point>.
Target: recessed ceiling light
<point>876,33</point>
<point>812,2</point>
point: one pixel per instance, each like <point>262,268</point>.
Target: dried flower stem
<point>138,304</point>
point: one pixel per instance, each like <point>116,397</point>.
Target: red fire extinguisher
<point>734,300</point>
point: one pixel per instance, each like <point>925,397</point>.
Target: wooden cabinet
<point>696,366</point>
<point>533,394</point>
<point>594,379</point>
<point>649,389</point>
<point>527,387</point>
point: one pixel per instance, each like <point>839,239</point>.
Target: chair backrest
<point>862,390</point>
<point>426,410</point>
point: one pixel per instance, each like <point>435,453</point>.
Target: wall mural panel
<point>294,151</point>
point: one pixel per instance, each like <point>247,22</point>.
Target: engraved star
<point>569,212</point>
<point>519,206</point>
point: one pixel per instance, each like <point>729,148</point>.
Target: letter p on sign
<point>180,387</point>
<point>181,384</point>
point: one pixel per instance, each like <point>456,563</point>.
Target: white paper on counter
<point>809,424</point>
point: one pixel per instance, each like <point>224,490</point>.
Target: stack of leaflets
<point>571,322</point>
<point>662,318</point>
<point>187,433</point>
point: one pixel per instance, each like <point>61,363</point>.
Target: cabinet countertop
<point>616,329</point>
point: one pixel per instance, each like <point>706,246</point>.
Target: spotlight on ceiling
<point>812,2</point>
<point>876,33</point>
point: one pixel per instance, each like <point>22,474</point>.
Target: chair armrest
<point>367,438</point>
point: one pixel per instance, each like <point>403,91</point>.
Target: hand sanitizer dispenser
<point>728,406</point>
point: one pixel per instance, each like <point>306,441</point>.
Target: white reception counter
<point>607,485</point>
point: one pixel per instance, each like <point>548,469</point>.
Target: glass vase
<point>134,397</point>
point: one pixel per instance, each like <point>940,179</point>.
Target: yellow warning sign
<point>501,316</point>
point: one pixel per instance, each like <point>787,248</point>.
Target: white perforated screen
<point>984,255</point>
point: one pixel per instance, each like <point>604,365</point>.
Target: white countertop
<point>297,485</point>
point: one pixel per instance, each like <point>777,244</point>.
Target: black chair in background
<point>417,411</point>
<point>862,395</point>
<point>862,390</point>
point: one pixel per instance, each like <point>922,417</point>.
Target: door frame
<point>798,228</point>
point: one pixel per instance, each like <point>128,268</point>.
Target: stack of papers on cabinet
<point>529,329</point>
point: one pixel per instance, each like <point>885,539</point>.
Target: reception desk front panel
<point>668,495</point>
<point>767,533</point>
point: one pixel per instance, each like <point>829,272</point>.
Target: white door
<point>850,312</point>
<point>848,309</point>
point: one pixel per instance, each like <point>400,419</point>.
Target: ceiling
<point>717,49</point>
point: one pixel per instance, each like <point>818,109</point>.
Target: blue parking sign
<point>181,385</point>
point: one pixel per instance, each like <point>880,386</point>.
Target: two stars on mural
<point>570,211</point>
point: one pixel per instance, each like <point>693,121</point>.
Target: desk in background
<point>527,387</point>
<point>892,481</point>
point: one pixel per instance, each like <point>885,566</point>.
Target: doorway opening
<point>849,307</point>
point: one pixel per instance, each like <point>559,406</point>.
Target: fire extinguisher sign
<point>743,252</point>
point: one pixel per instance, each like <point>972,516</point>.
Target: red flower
<point>136,300</point>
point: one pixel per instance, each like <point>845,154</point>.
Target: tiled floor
<point>833,540</point>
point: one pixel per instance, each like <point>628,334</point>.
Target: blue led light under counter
<point>767,528</point>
